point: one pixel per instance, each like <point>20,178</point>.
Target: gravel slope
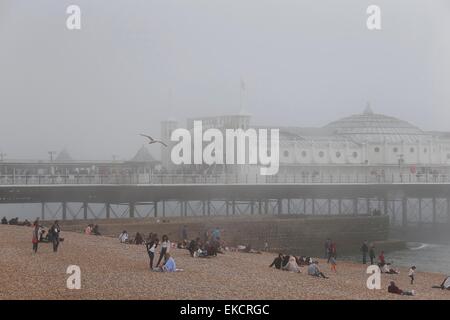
<point>110,270</point>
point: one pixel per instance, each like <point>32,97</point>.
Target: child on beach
<point>333,264</point>
<point>411,273</point>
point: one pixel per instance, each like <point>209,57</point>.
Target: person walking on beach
<point>165,247</point>
<point>35,237</point>
<point>151,248</point>
<point>364,250</point>
<point>372,254</point>
<point>411,273</point>
<point>55,230</point>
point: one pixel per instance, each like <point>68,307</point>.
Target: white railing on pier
<point>142,179</point>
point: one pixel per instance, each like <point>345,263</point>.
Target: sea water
<point>425,256</point>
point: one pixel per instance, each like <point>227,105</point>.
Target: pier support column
<point>203,208</point>
<point>266,207</point>
<point>108,210</point>
<point>448,210</point>
<point>209,207</point>
<point>329,207</point>
<point>181,208</point>
<point>43,210</point>
<point>164,208</point>
<point>340,206</point>
<point>260,207</point>
<point>280,206</point>
<point>85,210</point>
<point>289,206</point>
<point>404,212</point>
<point>227,207</point>
<point>313,206</point>
<point>355,206</point>
<point>131,209</point>
<point>64,210</point>
<point>252,207</point>
<point>234,207</point>
<point>155,207</point>
<point>434,213</point>
<point>420,212</point>
<point>385,206</point>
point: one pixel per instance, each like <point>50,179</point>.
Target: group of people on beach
<point>92,229</point>
<point>151,243</point>
<point>386,267</point>
<point>211,244</point>
<point>293,263</point>
<point>39,235</point>
<point>16,222</point>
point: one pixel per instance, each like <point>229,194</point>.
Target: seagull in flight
<point>153,140</point>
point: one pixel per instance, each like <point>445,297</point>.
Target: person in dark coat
<point>277,262</point>
<point>54,231</point>
<point>364,250</point>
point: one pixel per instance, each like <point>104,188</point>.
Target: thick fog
<point>135,63</point>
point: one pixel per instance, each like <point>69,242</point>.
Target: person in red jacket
<point>381,261</point>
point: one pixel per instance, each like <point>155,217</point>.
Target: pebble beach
<point>110,270</point>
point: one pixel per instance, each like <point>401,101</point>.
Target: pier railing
<point>142,179</point>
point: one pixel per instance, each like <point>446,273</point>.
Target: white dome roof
<point>371,127</point>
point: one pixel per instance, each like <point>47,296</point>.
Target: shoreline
<point>110,270</point>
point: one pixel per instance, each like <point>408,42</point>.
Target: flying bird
<point>153,140</point>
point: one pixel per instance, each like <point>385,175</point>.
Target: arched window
<point>304,154</point>
<point>286,153</point>
<point>355,154</point>
<point>338,154</point>
<point>321,154</point>
<point>377,149</point>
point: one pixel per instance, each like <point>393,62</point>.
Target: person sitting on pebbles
<point>394,289</point>
<point>123,237</point>
<point>292,265</point>
<point>169,266</point>
<point>314,270</point>
<point>387,268</point>
<point>277,262</point>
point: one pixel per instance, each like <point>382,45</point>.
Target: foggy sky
<point>135,63</point>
